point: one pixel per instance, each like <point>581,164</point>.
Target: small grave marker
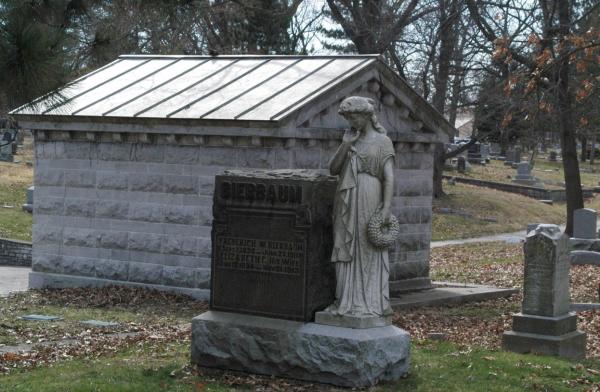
<point>100,324</point>
<point>40,317</point>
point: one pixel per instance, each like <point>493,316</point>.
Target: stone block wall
<point>139,211</point>
<point>409,261</point>
<point>15,253</point>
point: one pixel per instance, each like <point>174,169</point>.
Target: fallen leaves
<point>482,324</point>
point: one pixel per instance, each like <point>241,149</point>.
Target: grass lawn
<point>15,178</point>
<point>157,358</point>
<point>435,367</point>
<point>513,212</point>
<point>551,173</point>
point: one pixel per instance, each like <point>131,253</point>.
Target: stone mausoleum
<point>125,162</point>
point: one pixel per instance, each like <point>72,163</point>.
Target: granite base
<point>306,351</point>
<point>556,336</point>
<point>357,322</point>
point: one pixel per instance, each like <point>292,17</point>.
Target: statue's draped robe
<point>362,271</point>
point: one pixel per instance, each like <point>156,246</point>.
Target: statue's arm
<point>388,188</point>
<point>337,162</point>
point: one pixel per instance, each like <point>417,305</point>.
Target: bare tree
<point>541,55</point>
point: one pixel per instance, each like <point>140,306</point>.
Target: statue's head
<point>357,105</point>
<point>357,110</point>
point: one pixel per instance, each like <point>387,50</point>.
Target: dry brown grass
<point>513,212</point>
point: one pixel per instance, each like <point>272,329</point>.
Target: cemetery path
<point>13,279</point>
<point>511,238</point>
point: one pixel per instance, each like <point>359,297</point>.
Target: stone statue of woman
<point>364,166</point>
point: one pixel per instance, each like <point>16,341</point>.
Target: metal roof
<point>250,88</point>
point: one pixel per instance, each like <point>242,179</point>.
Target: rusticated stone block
<point>260,158</point>
<point>180,214</point>
<point>178,276</point>
<point>46,234</point>
<point>112,180</point>
<point>146,182</point>
<point>115,151</point>
<point>112,269</point>
<point>49,177</point>
<point>81,266</point>
<point>202,278</point>
<point>112,209</point>
<point>80,207</point>
<point>80,178</point>
<point>145,242</point>
<point>149,212</point>
<point>218,156</point>
<point>43,262</point>
<point>341,356</point>
<point>181,154</point>
<point>149,153</point>
<point>80,237</point>
<point>48,206</point>
<point>114,239</point>
<point>180,246</point>
<point>145,273</point>
<point>180,184</point>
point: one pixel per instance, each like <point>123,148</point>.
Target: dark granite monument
<point>272,243</point>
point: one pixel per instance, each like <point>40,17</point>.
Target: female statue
<point>364,164</point>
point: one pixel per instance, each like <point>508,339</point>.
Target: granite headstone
<point>461,164</point>
<point>584,223</point>
<point>545,325</point>
<point>29,205</point>
<point>524,175</point>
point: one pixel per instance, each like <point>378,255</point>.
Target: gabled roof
<point>206,89</point>
<point>261,88</point>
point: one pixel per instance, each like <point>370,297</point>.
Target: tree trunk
<point>593,153</point>
<point>565,114</point>
<point>447,34</point>
<point>438,170</point>
<point>583,149</point>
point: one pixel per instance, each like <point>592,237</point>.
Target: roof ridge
<point>248,56</point>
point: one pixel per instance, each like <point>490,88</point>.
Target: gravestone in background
<point>6,146</point>
<point>517,156</point>
<point>545,325</point>
<point>495,149</point>
<point>510,157</point>
<point>29,205</point>
<point>584,223</point>
<point>486,152</point>
<point>272,243</point>
<point>461,164</point>
<point>474,154</point>
<point>553,156</point>
<point>524,176</point>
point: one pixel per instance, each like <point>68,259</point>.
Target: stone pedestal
<point>545,325</point>
<point>556,336</point>
<point>357,322</point>
<point>307,351</point>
